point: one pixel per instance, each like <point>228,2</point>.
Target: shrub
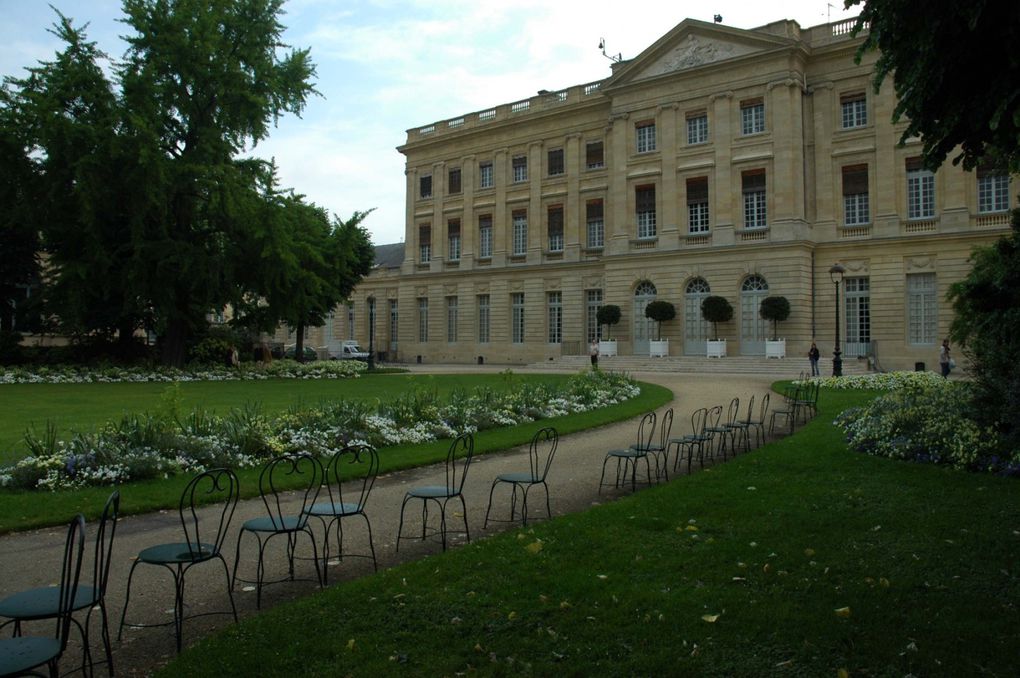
<point>716,310</point>
<point>608,315</point>
<point>776,310</point>
<point>660,311</point>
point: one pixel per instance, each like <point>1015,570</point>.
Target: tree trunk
<point>172,343</point>
<point>125,337</point>
<point>299,347</point>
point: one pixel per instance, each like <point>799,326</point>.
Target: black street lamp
<point>371,333</point>
<point>836,274</point>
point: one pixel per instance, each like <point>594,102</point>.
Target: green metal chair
<point>20,655</point>
<point>758,424</point>
<point>696,439</point>
<point>540,458</point>
<point>352,470</point>
<point>44,602</point>
<point>657,450</point>
<point>218,487</point>
<point>458,460</point>
<point>627,460</point>
<point>308,473</point>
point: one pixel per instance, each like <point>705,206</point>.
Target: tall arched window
<point>753,330</point>
<point>696,328</point>
<point>644,294</point>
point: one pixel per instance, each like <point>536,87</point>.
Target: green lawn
<point>82,407</point>
<point>801,558</point>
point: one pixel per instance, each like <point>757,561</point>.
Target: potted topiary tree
<point>608,315</point>
<point>716,310</point>
<point>775,309</point>
<point>659,311</point>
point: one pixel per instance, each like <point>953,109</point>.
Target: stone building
<point>719,161</point>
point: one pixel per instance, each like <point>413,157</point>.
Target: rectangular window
<point>554,303</point>
<point>520,168</point>
<point>855,196</point>
<point>854,110</point>
<point>517,317</point>
<point>485,175</point>
<point>921,309</point>
<point>556,228</point>
<point>425,186</point>
<point>423,320</point>
<point>485,236</point>
<point>697,128</point>
<point>645,132</point>
<point>858,317</point>
<point>753,183</point>
<point>596,224</point>
<point>556,162</point>
<point>920,191</point>
<point>453,239</point>
<point>697,205</point>
<point>520,233</point>
<point>451,319</point>
<point>424,244</point>
<point>752,117</point>
<point>350,321</point>
<point>594,155</point>
<point>453,181</point>
<point>394,323</point>
<point>593,301</point>
<point>993,191</point>
<point>644,198</point>
<point>483,318</point>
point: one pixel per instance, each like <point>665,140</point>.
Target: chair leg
<point>485,525</point>
<point>127,600</point>
<point>524,503</point>
<point>230,591</point>
<point>463,508</point>
<point>371,545</point>
<point>548,506</point>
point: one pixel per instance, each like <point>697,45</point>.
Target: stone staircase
<point>783,368</point>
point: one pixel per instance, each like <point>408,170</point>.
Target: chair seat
<point>335,508</point>
<point>522,477</point>
<point>433,492</point>
<point>44,602</point>
<point>647,448</point>
<point>18,655</point>
<point>627,454</point>
<point>177,553</point>
<point>690,438</point>
<point>276,524</point>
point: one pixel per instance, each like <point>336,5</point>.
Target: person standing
<point>813,356</point>
<point>945,361</point>
<point>593,351</point>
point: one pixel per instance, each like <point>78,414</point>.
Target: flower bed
<point>149,446</point>
<point>885,381</point>
<point>278,369</point>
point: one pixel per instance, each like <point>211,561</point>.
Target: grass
<point>22,510</point>
<point>82,407</point>
<point>802,558</point>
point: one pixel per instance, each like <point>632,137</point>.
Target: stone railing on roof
<point>837,31</point>
<point>543,101</point>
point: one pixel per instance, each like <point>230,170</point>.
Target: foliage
<point>716,310</point>
<point>278,369</point>
<point>660,311</point>
<point>986,323</point>
<point>776,309</point>
<point>882,381</point>
<point>933,52</point>
<point>608,315</point>
<point>139,447</point>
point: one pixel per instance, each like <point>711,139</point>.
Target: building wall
<point>805,80</point>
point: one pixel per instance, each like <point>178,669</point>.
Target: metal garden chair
<point>627,460</point>
<point>20,655</point>
<point>789,410</point>
<point>540,458</point>
<point>693,440</point>
<point>759,424</point>
<point>739,429</point>
<point>44,602</point>
<point>218,487</point>
<point>657,450</point>
<point>304,470</point>
<point>458,460</point>
<point>713,429</point>
<point>352,471</point>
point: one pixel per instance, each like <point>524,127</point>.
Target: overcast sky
<point>385,66</point>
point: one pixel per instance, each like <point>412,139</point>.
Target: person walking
<point>813,356</point>
<point>945,359</point>
<point>593,351</point>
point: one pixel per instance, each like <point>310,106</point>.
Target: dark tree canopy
<point>956,74</point>
<point>608,315</point>
<point>660,311</point>
<point>776,310</point>
<point>716,310</point>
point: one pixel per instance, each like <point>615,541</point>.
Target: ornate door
<point>644,328</point>
<point>753,328</point>
<point>696,329</point>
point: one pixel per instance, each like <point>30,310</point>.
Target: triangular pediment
<point>694,44</point>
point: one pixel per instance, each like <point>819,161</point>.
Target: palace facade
<point>719,161</point>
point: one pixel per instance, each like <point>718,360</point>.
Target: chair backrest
<point>733,412</point>
<point>70,575</point>
<point>764,406</point>
<point>542,450</point>
<point>458,459</point>
<point>646,431</point>
<point>750,410</point>
<point>283,472</point>
<point>104,543</point>
<point>713,417</point>
<point>816,386</point>
<point>665,427</point>
<point>219,484</point>
<point>352,470</point>
<point>699,420</point>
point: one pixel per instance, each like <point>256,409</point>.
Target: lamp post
<point>836,274</point>
<point>371,333</point>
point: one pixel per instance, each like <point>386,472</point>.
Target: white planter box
<point>716,348</point>
<point>658,349</point>
<point>775,349</point>
<point>607,348</point>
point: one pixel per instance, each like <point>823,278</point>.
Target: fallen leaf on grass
<point>710,618</point>
<point>534,547</point>
<point>350,645</point>
<point>842,612</point>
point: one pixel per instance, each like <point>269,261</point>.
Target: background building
<point>738,163</point>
